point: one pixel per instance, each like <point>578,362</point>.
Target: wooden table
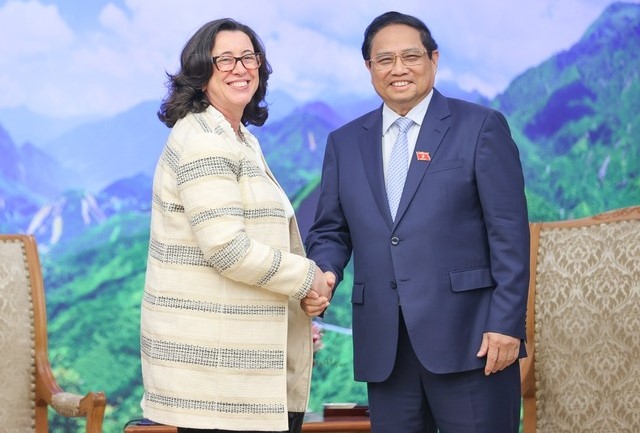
<point>319,423</point>
<point>341,424</point>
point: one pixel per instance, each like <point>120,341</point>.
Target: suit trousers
<point>295,426</point>
<point>414,400</point>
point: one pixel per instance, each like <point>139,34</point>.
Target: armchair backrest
<point>583,325</point>
<point>17,339</point>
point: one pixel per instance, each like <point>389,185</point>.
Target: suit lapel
<point>370,143</point>
<point>432,131</point>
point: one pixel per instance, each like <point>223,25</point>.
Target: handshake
<point>317,300</point>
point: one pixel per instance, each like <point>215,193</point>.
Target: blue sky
<point>73,57</point>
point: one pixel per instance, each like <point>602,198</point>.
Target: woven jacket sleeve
<point>237,217</point>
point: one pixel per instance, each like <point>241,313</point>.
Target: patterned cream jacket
<point>224,342</point>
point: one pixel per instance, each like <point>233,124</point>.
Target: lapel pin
<point>423,156</point>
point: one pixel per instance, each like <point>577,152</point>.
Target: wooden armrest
<point>90,406</point>
<point>527,376</point>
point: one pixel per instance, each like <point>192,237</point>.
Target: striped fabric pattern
<point>224,343</point>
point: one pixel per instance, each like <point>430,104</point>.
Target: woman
<point>224,343</point>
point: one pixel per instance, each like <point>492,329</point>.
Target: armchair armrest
<point>527,376</point>
<point>49,393</point>
<point>74,405</point>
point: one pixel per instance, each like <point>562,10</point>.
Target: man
<point>441,265</point>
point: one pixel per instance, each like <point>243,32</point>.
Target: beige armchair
<point>28,386</point>
<point>583,326</point>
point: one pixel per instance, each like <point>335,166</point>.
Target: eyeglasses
<point>228,63</point>
<point>385,62</point>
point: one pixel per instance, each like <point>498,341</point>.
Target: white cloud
<point>490,43</point>
<point>30,29</point>
<point>313,47</point>
<point>32,35</point>
<point>318,66</point>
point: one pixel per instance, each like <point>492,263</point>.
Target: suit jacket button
<point>395,241</point>
<point>394,285</point>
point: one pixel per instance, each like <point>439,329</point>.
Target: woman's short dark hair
<point>389,18</point>
<point>185,87</point>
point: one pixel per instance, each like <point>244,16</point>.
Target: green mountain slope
<point>93,301</point>
<point>576,118</point>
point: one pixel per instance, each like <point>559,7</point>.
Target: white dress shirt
<point>390,131</point>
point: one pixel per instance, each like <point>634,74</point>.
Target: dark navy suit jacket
<point>457,257</point>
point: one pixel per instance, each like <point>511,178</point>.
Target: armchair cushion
<point>586,325</point>
<point>17,363</point>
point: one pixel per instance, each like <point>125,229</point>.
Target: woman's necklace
<point>241,137</point>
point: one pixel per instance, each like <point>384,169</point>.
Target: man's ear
<point>435,57</point>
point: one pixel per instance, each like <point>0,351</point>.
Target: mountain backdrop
<point>84,192</point>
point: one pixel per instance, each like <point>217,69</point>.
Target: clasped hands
<point>317,300</point>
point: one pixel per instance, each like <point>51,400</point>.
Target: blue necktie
<point>398,165</point>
